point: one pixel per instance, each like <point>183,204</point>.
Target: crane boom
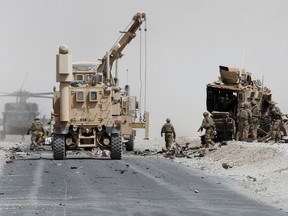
<point>115,51</point>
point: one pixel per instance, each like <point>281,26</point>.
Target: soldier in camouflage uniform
<point>38,131</point>
<point>209,125</point>
<point>275,111</point>
<point>276,123</point>
<point>256,115</point>
<point>244,119</point>
<point>265,123</point>
<point>274,134</point>
<point>169,131</point>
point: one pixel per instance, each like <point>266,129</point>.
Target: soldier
<point>276,122</point>
<point>274,134</point>
<point>225,103</point>
<point>38,131</point>
<point>244,118</point>
<point>209,125</point>
<point>265,123</point>
<point>275,111</point>
<point>256,115</point>
<point>169,131</point>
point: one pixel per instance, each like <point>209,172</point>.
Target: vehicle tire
<point>130,143</point>
<point>58,147</point>
<point>116,147</point>
<point>222,137</point>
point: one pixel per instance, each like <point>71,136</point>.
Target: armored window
<point>209,94</point>
<point>93,96</point>
<point>99,78</point>
<point>252,94</point>
<point>258,83</point>
<point>240,96</point>
<point>84,67</point>
<point>89,77</point>
<point>243,77</point>
<point>79,96</point>
<point>79,77</point>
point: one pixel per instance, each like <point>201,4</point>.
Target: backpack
<point>244,115</point>
<point>38,126</point>
<point>168,128</point>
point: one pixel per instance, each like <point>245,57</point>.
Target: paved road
<point>135,185</point>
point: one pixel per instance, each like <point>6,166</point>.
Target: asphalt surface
<point>136,185</point>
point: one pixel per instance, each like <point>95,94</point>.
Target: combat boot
<point>39,147</point>
<point>32,147</point>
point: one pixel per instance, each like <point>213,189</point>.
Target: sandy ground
<point>261,169</point>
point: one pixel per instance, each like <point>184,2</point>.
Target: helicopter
<point>17,116</point>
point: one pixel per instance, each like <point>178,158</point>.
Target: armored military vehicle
<point>234,87</point>
<point>90,109</point>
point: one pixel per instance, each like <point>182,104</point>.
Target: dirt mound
<point>261,168</point>
<point>242,154</point>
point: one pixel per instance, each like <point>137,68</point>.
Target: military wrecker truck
<point>234,87</point>
<point>90,109</point>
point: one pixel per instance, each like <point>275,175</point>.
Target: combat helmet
<point>205,114</point>
<point>253,102</point>
<point>168,120</point>
<point>246,105</point>
<point>272,102</point>
<point>37,118</point>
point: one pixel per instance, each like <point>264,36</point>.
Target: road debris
<point>251,178</point>
<point>180,150</point>
<point>226,166</point>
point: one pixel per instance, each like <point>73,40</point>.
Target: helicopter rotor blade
<point>42,93</point>
<point>23,95</point>
<point>4,94</point>
<point>39,96</point>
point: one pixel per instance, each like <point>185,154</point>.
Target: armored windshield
<point>84,67</point>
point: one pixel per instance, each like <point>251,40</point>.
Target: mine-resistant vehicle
<point>90,109</point>
<point>234,87</point>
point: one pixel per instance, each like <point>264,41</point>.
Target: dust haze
<point>186,41</point>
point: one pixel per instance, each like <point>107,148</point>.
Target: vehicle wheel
<point>130,143</point>
<point>221,136</point>
<point>116,147</point>
<point>58,147</point>
<point>229,136</point>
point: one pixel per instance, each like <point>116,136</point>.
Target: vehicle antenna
<point>262,83</point>
<point>243,58</point>
<point>145,71</point>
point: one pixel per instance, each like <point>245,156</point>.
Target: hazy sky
<point>187,40</point>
